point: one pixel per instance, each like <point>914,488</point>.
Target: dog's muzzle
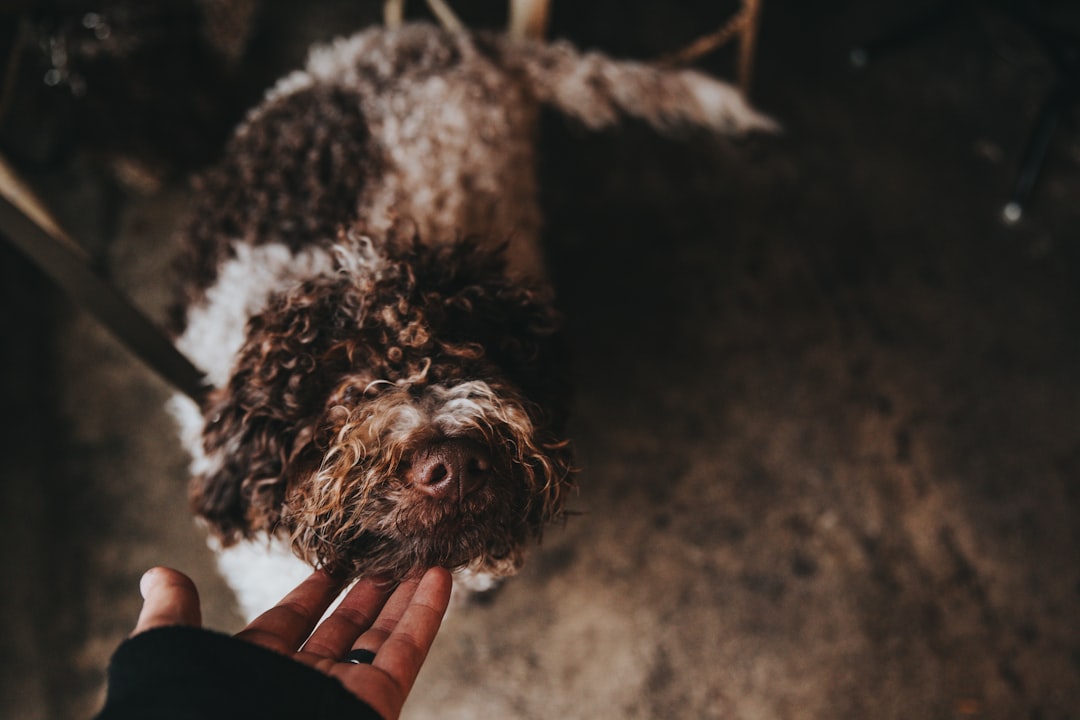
<point>450,469</point>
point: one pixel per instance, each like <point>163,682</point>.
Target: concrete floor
<point>827,410</point>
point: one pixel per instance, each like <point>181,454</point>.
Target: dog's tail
<point>598,90</point>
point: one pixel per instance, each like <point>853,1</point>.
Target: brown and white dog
<point>362,285</point>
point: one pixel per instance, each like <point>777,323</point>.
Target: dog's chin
<point>463,546</point>
<point>486,532</point>
<point>472,535</point>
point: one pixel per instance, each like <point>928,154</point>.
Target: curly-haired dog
<point>387,393</point>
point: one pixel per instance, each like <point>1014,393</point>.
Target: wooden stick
<point>748,43</point>
<point>743,25</point>
<point>393,13</point>
<point>446,16</point>
<point>529,19</point>
<point>19,195</point>
<point>28,225</point>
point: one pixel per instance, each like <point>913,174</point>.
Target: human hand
<point>398,627</point>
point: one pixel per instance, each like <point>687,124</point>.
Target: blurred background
<point>828,394</point>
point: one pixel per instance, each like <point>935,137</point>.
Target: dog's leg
<point>528,19</point>
<point>393,13</point>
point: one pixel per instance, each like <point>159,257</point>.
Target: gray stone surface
<point>827,415</point>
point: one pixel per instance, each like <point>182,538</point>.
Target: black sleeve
<point>182,673</point>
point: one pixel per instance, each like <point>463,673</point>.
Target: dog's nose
<point>450,469</point>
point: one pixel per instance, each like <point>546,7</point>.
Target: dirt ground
<point>827,410</point>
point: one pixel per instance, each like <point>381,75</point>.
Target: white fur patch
<point>261,572</point>
<point>724,106</point>
<point>292,83</point>
<point>215,328</point>
<point>189,422</point>
<point>460,407</point>
<point>335,62</point>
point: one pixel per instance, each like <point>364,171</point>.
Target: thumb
<point>169,598</point>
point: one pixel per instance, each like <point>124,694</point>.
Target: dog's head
<point>395,416</point>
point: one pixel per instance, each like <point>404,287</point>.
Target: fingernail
<point>148,579</point>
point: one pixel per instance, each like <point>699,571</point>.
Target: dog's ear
<point>252,454</point>
<point>259,428</point>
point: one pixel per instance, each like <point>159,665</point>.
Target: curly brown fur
<point>310,427</point>
<point>294,176</point>
<point>387,395</point>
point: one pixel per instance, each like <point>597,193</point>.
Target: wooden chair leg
<point>529,19</point>
<point>393,13</point>
<point>748,42</point>
<point>446,16</point>
<point>742,27</point>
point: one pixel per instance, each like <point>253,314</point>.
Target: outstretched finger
<point>169,598</point>
<point>283,627</point>
<point>386,682</point>
<point>393,609</point>
<point>355,614</point>
<point>404,651</point>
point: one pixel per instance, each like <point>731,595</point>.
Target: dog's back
<point>427,130</point>
<point>413,128</point>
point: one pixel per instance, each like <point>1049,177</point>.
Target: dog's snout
<point>450,469</point>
